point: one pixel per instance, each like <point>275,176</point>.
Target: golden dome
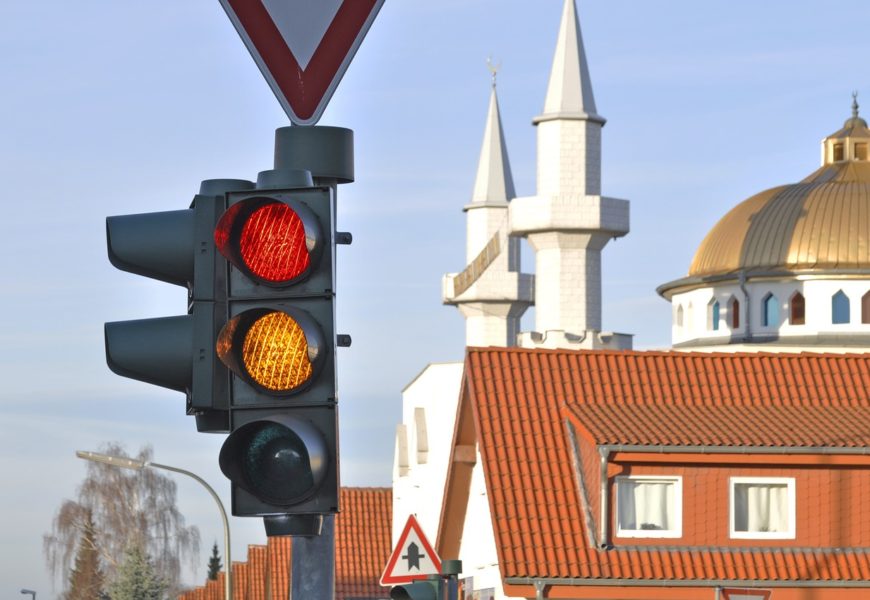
<point>821,223</point>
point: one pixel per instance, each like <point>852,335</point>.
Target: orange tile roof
<point>256,573</point>
<point>278,551</point>
<point>518,398</point>
<point>363,542</point>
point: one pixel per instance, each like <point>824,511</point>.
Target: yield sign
<point>302,47</point>
<point>413,557</point>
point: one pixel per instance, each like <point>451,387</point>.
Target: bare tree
<point>129,508</point>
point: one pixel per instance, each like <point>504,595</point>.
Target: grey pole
<point>326,154</point>
<point>313,564</point>
<point>31,592</point>
<point>132,463</point>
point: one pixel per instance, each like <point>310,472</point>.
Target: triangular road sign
<point>302,47</point>
<point>413,557</point>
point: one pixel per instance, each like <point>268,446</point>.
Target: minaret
<point>490,293</point>
<point>568,222</point>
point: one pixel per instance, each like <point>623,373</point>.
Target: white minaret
<point>568,222</point>
<point>490,293</point>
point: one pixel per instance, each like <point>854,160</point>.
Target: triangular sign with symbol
<point>413,557</point>
<point>302,47</point>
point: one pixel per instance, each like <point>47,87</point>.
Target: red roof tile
<point>278,556</point>
<point>519,398</point>
<point>363,541</point>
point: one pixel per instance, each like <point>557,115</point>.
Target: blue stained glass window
<point>770,311</point>
<point>840,308</point>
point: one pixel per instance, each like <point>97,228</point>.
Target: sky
<point>124,107</point>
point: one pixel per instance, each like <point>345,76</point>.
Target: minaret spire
<point>569,92</point>
<point>490,292</point>
<point>494,183</point>
<point>568,222</point>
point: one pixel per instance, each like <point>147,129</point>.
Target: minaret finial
<point>493,69</point>
<point>855,104</point>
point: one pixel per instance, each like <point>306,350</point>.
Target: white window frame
<point>764,535</point>
<point>653,533</point>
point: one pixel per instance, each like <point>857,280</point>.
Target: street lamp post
<point>31,592</point>
<point>136,465</point>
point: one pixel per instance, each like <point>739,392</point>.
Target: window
<point>649,506</point>
<point>797,309</point>
<point>861,151</point>
<point>690,316</point>
<point>734,312</point>
<point>840,308</point>
<point>763,508</point>
<point>680,315</point>
<point>838,152</point>
<point>770,311</point>
<point>713,315</point>
<point>865,308</point>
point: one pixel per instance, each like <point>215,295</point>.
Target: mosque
<point>561,463</point>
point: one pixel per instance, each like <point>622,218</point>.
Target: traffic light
<point>279,342</point>
<point>176,352</point>
<point>428,589</point>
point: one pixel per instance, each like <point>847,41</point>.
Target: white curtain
<point>647,505</point>
<point>761,507</point>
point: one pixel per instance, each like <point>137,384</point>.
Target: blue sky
<point>123,107</point>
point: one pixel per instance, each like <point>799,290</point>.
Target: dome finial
<point>493,69</point>
<point>855,104</point>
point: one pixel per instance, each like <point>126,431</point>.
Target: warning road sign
<point>413,557</point>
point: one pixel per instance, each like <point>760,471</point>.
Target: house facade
<point>638,475</point>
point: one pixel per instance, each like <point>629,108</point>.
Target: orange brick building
<point>637,475</point>
<point>362,548</point>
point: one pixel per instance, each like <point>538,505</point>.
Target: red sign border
<point>303,93</point>
<point>387,578</point>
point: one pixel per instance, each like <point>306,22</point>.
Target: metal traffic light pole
<point>327,154</point>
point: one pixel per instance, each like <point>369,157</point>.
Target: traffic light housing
<point>428,589</point>
<point>176,352</point>
<point>278,341</point>
<point>255,353</point>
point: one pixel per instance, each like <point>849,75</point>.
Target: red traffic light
<point>273,242</point>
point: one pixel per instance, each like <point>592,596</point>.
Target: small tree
<point>127,508</point>
<point>86,579</point>
<point>214,563</point>
<point>136,578</point>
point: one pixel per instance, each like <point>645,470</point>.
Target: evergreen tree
<point>214,563</point>
<point>86,578</point>
<point>136,578</point>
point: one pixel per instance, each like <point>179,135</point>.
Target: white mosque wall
<point>423,440</point>
<point>477,550</point>
<point>692,313</point>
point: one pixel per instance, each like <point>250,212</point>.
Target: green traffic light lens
<point>277,464</point>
